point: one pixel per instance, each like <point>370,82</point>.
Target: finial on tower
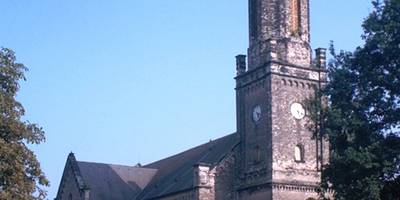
<point>240,64</point>
<point>320,58</point>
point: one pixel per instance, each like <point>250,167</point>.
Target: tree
<point>20,174</point>
<point>361,117</point>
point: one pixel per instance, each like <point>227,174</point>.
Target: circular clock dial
<point>297,111</point>
<point>257,113</point>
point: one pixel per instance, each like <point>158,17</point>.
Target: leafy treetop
<point>20,174</point>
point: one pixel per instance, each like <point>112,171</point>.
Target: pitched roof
<point>72,165</point>
<point>170,175</point>
<point>175,173</point>
<point>116,182</point>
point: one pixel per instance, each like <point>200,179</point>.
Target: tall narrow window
<point>257,155</point>
<point>299,153</point>
<point>295,16</point>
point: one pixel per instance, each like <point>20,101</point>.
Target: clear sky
<point>128,81</point>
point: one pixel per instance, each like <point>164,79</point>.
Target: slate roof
<point>168,176</point>
<point>175,173</point>
<point>107,181</point>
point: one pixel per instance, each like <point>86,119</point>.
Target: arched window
<point>295,16</point>
<point>299,153</point>
<point>70,196</point>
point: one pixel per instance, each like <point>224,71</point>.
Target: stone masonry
<point>279,74</point>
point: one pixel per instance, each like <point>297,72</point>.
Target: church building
<point>273,154</point>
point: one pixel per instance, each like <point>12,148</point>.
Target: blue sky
<point>130,81</point>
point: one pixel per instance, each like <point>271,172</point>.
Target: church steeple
<point>279,31</point>
<point>278,158</point>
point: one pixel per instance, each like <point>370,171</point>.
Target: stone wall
<point>289,132</point>
<point>204,182</point>
<point>295,179</point>
<point>225,178</point>
<point>267,151</point>
<point>255,156</point>
<point>69,189</point>
<point>185,195</point>
<point>293,193</point>
<point>257,193</point>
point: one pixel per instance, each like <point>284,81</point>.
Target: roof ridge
<point>188,150</point>
<point>110,164</point>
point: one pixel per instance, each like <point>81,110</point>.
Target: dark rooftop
<point>176,172</point>
<point>164,177</point>
<point>115,182</point>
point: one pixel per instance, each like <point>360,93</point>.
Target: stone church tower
<point>278,157</point>
<point>272,156</point>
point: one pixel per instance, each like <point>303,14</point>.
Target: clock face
<point>257,113</point>
<point>297,111</point>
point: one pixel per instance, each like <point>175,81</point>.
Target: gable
<point>72,185</point>
<point>97,181</point>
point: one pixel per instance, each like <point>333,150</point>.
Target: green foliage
<point>361,117</point>
<point>20,173</point>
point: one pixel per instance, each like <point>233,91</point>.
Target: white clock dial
<point>257,113</point>
<point>297,111</point>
